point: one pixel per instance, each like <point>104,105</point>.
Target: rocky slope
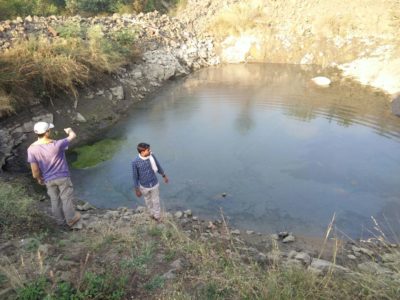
<point>169,50</point>
<point>359,37</point>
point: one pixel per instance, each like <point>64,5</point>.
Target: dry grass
<point>6,107</point>
<point>41,68</point>
<point>216,268</point>
<point>238,19</point>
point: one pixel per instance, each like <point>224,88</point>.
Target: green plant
<point>3,279</point>
<point>64,291</point>
<point>33,290</point>
<point>94,6</point>
<point>155,283</point>
<point>13,8</point>
<point>102,286</point>
<point>71,29</point>
<point>155,231</point>
<point>140,257</point>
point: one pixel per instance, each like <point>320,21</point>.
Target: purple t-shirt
<point>50,159</point>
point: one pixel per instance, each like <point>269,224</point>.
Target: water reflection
<point>288,153</point>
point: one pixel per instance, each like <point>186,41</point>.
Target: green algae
<point>92,155</point>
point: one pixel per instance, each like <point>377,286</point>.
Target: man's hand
<point>166,180</point>
<point>138,193</point>
<point>36,173</point>
<point>71,133</point>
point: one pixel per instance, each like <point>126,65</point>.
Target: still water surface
<point>287,154</point>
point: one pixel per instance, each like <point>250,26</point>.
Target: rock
<point>80,118</point>
<point>373,268</point>
<point>169,275</point>
<point>195,218</point>
<point>84,207</point>
<point>261,258</point>
<point>292,254</point>
<point>236,232</point>
<point>352,257</point>
<point>78,225</point>
<point>321,81</point>
<point>118,92</point>
<point>111,214</point>
<point>289,239</point>
<point>140,209</point>
<point>178,264</point>
<point>305,258</point>
<point>366,251</point>
<point>391,257</point>
<point>283,234</point>
<point>320,266</point>
<point>293,264</point>
<point>249,232</point>
<point>395,104</point>
<point>211,225</point>
<point>188,213</point>
<point>275,236</point>
<point>178,214</point>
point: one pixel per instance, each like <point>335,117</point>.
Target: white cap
<point>42,127</point>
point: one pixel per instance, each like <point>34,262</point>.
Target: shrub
<point>33,290</point>
<point>13,8</point>
<point>94,6</point>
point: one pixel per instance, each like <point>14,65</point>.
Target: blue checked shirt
<point>143,174</point>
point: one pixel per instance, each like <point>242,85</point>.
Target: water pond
<point>265,146</point>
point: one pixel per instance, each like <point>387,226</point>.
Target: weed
<point>155,231</point>
<point>32,245</point>
<point>71,29</point>
<point>170,255</point>
<point>155,283</point>
<point>33,290</point>
<point>102,286</point>
<point>3,279</point>
<point>64,291</point>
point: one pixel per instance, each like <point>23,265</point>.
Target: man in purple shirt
<point>49,167</point>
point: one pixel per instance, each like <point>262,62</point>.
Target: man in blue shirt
<point>144,169</point>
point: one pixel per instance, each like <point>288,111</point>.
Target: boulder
<point>321,81</point>
<point>396,106</point>
<point>320,266</point>
<point>373,268</point>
